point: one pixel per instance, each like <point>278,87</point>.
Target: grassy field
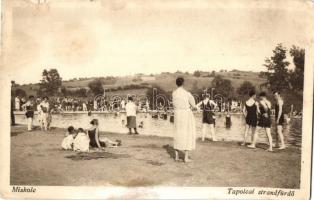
<point>166,81</point>
<point>37,159</point>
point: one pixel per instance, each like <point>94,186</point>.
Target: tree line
<point>279,76</point>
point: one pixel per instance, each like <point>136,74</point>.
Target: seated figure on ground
<point>97,141</point>
<point>81,141</point>
<point>67,142</point>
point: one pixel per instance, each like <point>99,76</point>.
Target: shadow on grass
<point>148,146</point>
<point>155,163</point>
<point>170,150</point>
<point>16,133</point>
<point>95,156</point>
<point>19,129</point>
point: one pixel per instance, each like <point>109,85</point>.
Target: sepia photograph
<point>156,99</point>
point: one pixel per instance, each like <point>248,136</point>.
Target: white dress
<point>17,103</point>
<point>84,107</point>
<point>39,114</point>
<point>44,115</point>
<point>81,142</point>
<point>184,121</point>
<point>67,142</point>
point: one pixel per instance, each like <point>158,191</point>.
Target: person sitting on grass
<point>67,142</point>
<point>99,142</point>
<point>81,141</point>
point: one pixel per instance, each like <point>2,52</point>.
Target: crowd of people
<point>58,104</point>
<point>257,113</point>
<point>71,104</point>
<point>62,104</point>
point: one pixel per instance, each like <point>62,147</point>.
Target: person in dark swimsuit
<point>99,142</point>
<point>250,114</point>
<point>29,106</point>
<point>208,120</point>
<point>264,110</point>
<point>265,120</point>
<point>93,135</point>
<point>279,118</point>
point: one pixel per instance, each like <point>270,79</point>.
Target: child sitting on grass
<point>67,143</point>
<point>81,141</point>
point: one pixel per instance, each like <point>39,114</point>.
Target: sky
<point>86,38</point>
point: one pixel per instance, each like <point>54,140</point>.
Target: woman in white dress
<point>45,115</point>
<point>184,121</point>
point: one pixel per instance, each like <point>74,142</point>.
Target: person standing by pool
<point>17,103</point>
<point>147,105</point>
<point>12,113</point>
<point>39,113</point>
<point>250,114</point>
<point>208,106</point>
<point>279,118</point>
<point>264,120</point>
<point>84,106</point>
<point>122,105</point>
<point>45,118</point>
<point>29,106</point>
<point>131,110</point>
<point>184,121</point>
<point>95,105</point>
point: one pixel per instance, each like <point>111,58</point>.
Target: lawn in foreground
<point>37,159</point>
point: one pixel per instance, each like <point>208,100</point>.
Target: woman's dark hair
<point>262,94</point>
<point>45,97</point>
<point>207,96</point>
<point>276,92</point>
<point>179,81</point>
<point>70,129</point>
<point>252,93</point>
<point>130,98</point>
<point>80,130</point>
<point>94,122</point>
<point>31,97</point>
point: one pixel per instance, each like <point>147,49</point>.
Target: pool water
<point>110,122</point>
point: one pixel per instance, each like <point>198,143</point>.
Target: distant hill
<point>165,80</point>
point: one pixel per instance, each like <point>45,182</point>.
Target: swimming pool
<point>111,122</point>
